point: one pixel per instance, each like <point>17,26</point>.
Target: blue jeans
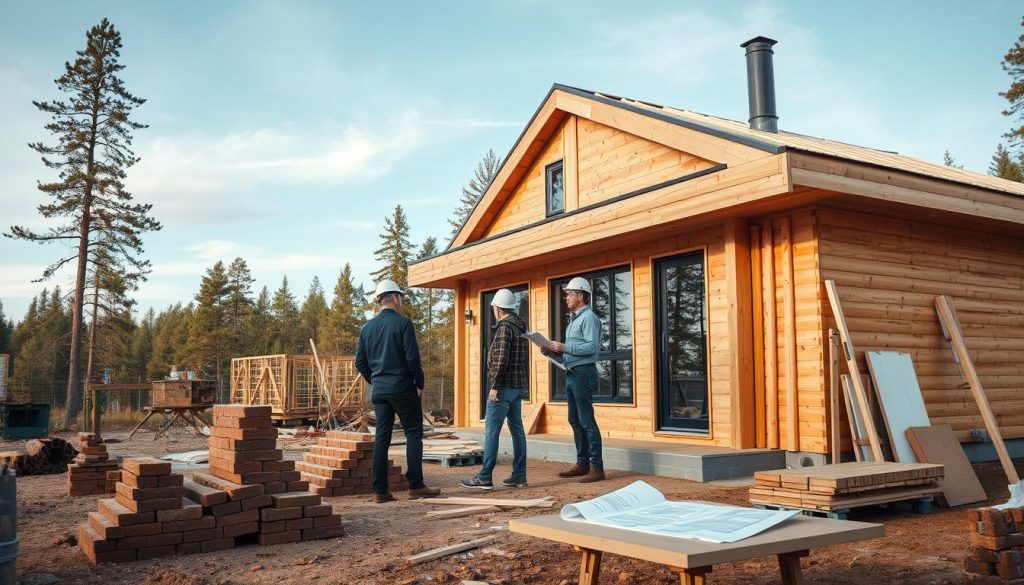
<point>409,410</point>
<point>580,385</point>
<point>509,406</point>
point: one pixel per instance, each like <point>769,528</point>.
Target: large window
<point>554,188</point>
<point>612,301</point>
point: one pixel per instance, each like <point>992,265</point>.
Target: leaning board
<point>900,398</point>
<point>939,445</point>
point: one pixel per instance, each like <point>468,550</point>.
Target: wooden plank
<point>443,551</point>
<point>737,269</point>
<point>545,502</point>
<point>899,397</point>
<point>951,328</point>
<point>570,168</point>
<point>855,380</point>
<point>533,418</point>
<point>789,334</point>
<point>938,444</point>
<point>835,439</point>
<point>460,372</point>
<point>771,357</point>
<point>460,512</point>
<point>861,446</point>
<point>757,309</point>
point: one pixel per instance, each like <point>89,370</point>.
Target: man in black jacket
<point>388,357</point>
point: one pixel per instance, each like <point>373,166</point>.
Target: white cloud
<point>474,123</point>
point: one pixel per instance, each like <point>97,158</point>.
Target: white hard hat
<point>504,299</point>
<point>387,286</point>
<point>578,283</point>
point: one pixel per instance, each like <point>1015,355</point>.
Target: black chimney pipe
<point>761,84</point>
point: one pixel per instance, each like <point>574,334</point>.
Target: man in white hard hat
<point>579,356</point>
<point>388,357</point>
<point>506,380</point>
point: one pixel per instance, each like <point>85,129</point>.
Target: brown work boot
<point>383,498</point>
<point>576,471</point>
<point>592,476</point>
<point>423,492</point>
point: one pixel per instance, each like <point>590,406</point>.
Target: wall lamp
<point>467,317</point>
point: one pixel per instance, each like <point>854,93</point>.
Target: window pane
<point>601,304</point>
<point>555,190</point>
<point>604,379</point>
<point>623,311</point>
<point>624,378</point>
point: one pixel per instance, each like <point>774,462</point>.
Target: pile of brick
<point>92,468</point>
<point>341,464</point>
<point>251,495</point>
<point>997,538</point>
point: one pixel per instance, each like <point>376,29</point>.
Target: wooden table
<point>187,416</point>
<point>693,559</point>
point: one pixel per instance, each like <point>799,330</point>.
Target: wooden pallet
<point>917,504</point>
<point>849,478</point>
<point>837,505</point>
<point>460,459</point>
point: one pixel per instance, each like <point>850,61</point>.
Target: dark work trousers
<point>409,410</point>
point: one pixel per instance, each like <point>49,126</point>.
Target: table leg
<point>692,575</point>
<point>590,565</point>
<point>139,426</point>
<point>789,564</point>
<point>166,424</point>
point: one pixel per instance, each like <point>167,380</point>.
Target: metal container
<point>8,526</point>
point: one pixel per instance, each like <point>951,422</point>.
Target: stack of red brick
<point>341,464</point>
<point>997,538</point>
<point>89,473</point>
<point>156,513</point>
<point>147,518</point>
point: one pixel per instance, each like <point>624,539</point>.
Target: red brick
<point>230,422</point>
<point>143,482</point>
<point>172,480</point>
<point>323,481</point>
<point>114,556</point>
<point>149,505</point>
<point>189,511</point>
<point>255,477</point>
<point>242,444</point>
<point>351,436</point>
<point>318,510</point>
<point>275,487</point>
<point>146,529</point>
<point>221,468</point>
<point>225,509</point>
<point>299,524</point>
<point>1010,565</point>
<point>997,542</point>
<point>240,517</point>
<point>163,539</point>
<point>201,535</point>
<point>243,528</point>
<point>188,548</point>
<point>282,465</point>
<point>193,524</point>
<point>156,551</point>
<point>322,491</point>
<point>218,544</point>
<point>258,502</point>
<point>298,486</point>
<point>325,532</point>
<point>272,527</point>
<point>242,410</point>
<point>325,521</point>
<point>105,528</point>
<point>245,456</point>
<point>143,466</point>
<point>281,537</point>
<point>291,476</point>
<point>87,537</point>
<point>204,495</point>
<point>276,514</point>
<point>235,490</point>
<point>979,567</point>
<point>131,542</point>
<point>986,555</point>
<point>141,494</point>
<point>122,516</point>
<point>295,500</point>
<point>244,434</point>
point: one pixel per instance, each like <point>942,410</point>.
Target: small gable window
<point>554,188</point>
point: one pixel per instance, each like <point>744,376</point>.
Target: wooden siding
<point>889,270</point>
<point>527,203</point>
<point>636,420</point>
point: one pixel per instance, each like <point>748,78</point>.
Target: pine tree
<point>259,329</point>
<point>93,152</point>
<point>208,331</point>
<point>285,321</point>
<point>485,172</point>
<point>1013,65</point>
<point>141,348</point>
<point>340,329</point>
<point>312,315</point>
<point>1004,167</point>
<point>949,161</point>
<point>6,328</point>
<point>110,321</point>
<point>238,305</point>
<point>170,338</point>
<point>395,250</point>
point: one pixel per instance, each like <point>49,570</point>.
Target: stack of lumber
<point>341,464</point>
<point>471,506</point>
<point>998,546</point>
<point>88,474</point>
<point>446,449</point>
<point>41,457</point>
<point>845,485</point>
<point>250,495</point>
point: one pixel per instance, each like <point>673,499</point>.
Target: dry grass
<point>123,418</point>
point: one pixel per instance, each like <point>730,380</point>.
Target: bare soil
<point>917,548</point>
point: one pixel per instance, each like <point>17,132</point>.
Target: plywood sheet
<point>900,398</point>
<point>939,444</point>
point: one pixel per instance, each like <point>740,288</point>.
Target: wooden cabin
<point>707,243</point>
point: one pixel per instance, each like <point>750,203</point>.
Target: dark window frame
<point>549,171</point>
<point>615,356</point>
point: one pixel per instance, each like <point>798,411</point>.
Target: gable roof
<point>736,132</point>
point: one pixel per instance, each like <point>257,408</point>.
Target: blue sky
<point>285,132</point>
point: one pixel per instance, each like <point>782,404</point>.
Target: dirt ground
<point>917,549</point>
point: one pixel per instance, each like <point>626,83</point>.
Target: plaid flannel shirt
<point>507,357</point>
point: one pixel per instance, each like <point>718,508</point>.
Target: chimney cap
<point>759,40</point>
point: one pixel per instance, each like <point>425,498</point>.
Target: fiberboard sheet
<point>938,444</point>
<point>900,398</point>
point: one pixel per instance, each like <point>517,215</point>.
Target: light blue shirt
<point>582,338</point>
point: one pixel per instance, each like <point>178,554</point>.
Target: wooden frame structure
<point>775,216</point>
<point>289,383</point>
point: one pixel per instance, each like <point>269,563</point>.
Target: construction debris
<point>451,549</point>
<point>41,457</point>
<point>88,475</point>
<point>545,502</point>
<point>341,464</point>
<point>998,546</point>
